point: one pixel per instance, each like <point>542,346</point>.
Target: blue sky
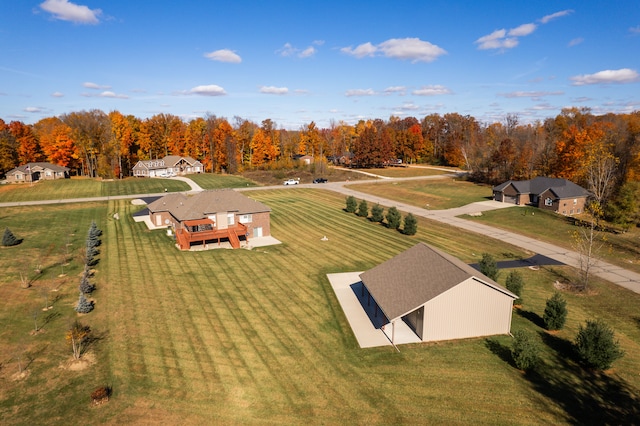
<point>298,61</point>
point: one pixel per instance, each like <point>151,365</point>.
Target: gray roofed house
<point>33,172</point>
<point>555,194</point>
<point>167,166</point>
<point>438,296</point>
<point>211,216</point>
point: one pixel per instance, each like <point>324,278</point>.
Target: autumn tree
<point>91,134</point>
<point>78,336</point>
<point>28,145</point>
<point>8,149</point>
<point>120,142</point>
<point>56,141</point>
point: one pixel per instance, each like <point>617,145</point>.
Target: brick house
<point>211,217</point>
<point>33,172</point>
<point>554,194</point>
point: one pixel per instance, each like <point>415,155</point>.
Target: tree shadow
<point>587,396</point>
<point>532,316</point>
<point>502,351</point>
<point>51,317</point>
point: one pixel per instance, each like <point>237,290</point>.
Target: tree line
<point>600,152</point>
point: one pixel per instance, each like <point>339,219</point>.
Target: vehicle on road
<point>291,181</point>
<point>319,180</point>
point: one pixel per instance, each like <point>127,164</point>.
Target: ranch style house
<point>555,194</point>
<point>171,165</point>
<point>33,172</point>
<point>211,217</point>
<point>438,296</point>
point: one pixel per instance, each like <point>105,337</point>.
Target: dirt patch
<point>83,363</point>
<point>574,288</point>
<point>21,375</point>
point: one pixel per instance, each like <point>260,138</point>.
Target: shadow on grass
<point>587,397</point>
<point>502,351</point>
<point>531,316</point>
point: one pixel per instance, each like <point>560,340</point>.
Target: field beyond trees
<point>254,337</point>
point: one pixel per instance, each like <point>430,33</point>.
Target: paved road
<point>607,271</point>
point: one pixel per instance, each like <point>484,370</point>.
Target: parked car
<point>291,182</point>
<point>319,180</point>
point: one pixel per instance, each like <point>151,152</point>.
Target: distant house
<point>558,195</point>
<point>170,165</point>
<point>438,296</point>
<point>211,217</point>
<point>33,172</point>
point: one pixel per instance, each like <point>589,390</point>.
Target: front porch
<point>203,231</point>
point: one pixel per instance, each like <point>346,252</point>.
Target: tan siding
<point>470,309</point>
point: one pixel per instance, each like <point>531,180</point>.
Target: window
<point>230,219</point>
<point>245,218</point>
<point>575,201</point>
<point>548,202</point>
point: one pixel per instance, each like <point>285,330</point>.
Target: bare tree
<point>588,243</point>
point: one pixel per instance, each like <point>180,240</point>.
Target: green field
<point>433,194</point>
<point>65,189</point>
<point>620,249</point>
<point>258,337</point>
<point>402,172</point>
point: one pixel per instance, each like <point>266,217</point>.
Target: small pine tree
<point>525,351</point>
<point>352,204</point>
<point>555,312</point>
<point>8,239</point>
<point>515,284</point>
<point>85,285</point>
<point>84,306</point>
<point>393,218</point>
<point>377,214</point>
<point>410,225</point>
<point>595,345</point>
<point>94,232</point>
<point>489,267</point>
<point>363,209</point>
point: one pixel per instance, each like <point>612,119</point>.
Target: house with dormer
<point>554,194</point>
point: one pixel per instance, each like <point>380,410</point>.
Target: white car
<point>291,182</point>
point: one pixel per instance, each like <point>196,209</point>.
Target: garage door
<point>510,199</point>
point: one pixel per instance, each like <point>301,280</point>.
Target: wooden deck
<point>185,238</point>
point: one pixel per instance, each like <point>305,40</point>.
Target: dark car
<point>319,180</point>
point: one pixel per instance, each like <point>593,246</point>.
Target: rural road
<point>604,270</point>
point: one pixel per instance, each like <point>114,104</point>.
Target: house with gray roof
<point>438,296</point>
<point>555,194</point>
<point>211,217</point>
<point>169,165</point>
<point>33,172</point>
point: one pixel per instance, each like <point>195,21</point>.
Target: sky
<point>324,61</point>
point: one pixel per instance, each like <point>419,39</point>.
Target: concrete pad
<point>369,329</point>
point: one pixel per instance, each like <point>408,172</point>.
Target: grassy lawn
<point>619,249</point>
<point>217,181</point>
<point>401,172</point>
<point>437,194</point>
<point>83,188</point>
<point>255,337</point>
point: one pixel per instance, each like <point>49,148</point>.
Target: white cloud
<point>395,89</point>
<point>33,109</point>
<point>57,94</point>
<point>365,49</point>
<point>575,42</point>
<point>67,11</point>
<point>502,39</point>
<point>309,51</point>
<point>224,55</point>
<point>360,92</point>
<point>90,85</point>
<point>289,50</point>
<point>110,94</point>
<point>208,90</point>
<point>433,90</point>
<point>635,30</point>
<point>533,95</point>
<point>412,49</point>
<point>522,30</point>
<point>560,14</point>
<point>621,76</point>
<point>272,90</point>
